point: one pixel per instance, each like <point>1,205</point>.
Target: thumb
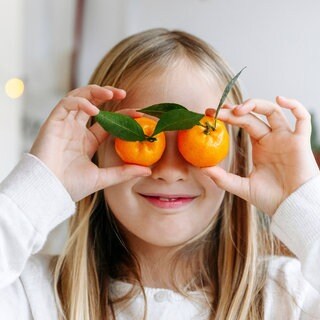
<point>110,176</point>
<point>229,181</point>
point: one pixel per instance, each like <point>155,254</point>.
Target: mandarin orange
<point>203,145</point>
<point>145,152</point>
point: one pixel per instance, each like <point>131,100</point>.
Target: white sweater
<point>33,202</point>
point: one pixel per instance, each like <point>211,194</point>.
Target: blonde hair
<point>229,254</point>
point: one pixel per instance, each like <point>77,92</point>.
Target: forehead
<point>184,84</point>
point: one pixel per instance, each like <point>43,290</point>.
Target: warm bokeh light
<point>14,88</point>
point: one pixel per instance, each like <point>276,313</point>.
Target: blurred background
<point>50,47</point>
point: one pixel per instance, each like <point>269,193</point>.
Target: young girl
<point>170,241</point>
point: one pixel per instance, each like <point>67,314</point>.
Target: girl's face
<point>184,200</point>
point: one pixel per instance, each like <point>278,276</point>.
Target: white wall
<point>277,40</point>
<point>48,48</point>
<point>36,45</point>
<point>11,66</point>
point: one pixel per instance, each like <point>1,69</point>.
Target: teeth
<point>167,199</point>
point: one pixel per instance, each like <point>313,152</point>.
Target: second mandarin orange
<point>204,147</point>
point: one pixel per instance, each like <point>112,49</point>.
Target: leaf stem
<point>225,93</point>
<point>150,138</point>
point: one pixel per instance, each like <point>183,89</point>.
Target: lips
<point>166,201</point>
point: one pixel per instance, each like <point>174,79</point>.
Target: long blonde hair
<point>229,254</point>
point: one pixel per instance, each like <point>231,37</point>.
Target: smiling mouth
<point>168,201</point>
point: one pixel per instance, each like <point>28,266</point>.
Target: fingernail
<point>210,111</point>
<point>228,106</point>
<point>96,110</point>
<point>237,107</point>
<point>122,91</point>
<point>140,114</point>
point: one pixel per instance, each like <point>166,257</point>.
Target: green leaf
<point>120,126</point>
<point>227,89</point>
<point>158,110</point>
<point>179,119</point>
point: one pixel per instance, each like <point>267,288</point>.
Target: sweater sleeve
<point>297,224</point>
<point>32,203</point>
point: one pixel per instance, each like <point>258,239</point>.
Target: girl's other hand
<point>66,146</point>
<point>282,156</point>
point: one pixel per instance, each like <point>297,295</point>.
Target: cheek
<point>212,200</point>
<point>120,194</point>
<point>121,202</point>
<point>209,205</point>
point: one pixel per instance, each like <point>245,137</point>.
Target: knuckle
<point>276,109</point>
<point>81,100</point>
<point>65,100</point>
<point>73,93</point>
<point>93,86</point>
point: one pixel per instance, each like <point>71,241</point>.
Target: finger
<point>110,176</point>
<point>229,181</point>
<point>97,95</point>
<point>82,118</point>
<point>303,117</point>
<point>99,133</point>
<point>118,94</point>
<point>211,111</point>
<point>255,126</point>
<point>72,114</point>
<point>96,139</point>
<point>131,113</point>
<point>228,106</point>
<point>68,104</point>
<point>272,111</point>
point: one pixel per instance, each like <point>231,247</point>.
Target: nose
<point>171,167</point>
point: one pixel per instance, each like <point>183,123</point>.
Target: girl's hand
<point>65,145</point>
<point>282,156</point>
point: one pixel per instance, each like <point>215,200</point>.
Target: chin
<point>168,242</point>
<point>167,238</point>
